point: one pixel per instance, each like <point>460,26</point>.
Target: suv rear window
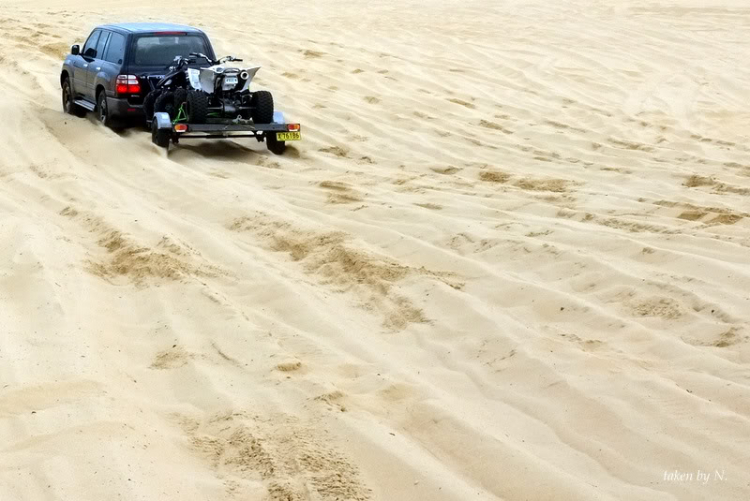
<point>160,50</point>
<point>116,49</point>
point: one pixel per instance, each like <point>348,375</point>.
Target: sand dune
<point>508,261</point>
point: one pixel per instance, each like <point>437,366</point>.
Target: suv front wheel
<point>68,101</point>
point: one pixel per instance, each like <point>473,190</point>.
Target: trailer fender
<point>278,117</point>
<point>163,121</point>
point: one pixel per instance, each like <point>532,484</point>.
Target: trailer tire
<point>160,137</point>
<point>196,107</point>
<point>262,107</point>
<point>274,145</point>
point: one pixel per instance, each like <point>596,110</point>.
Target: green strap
<point>181,115</point>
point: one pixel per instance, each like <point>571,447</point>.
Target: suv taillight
<point>127,84</point>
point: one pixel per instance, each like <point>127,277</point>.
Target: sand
<point>508,261</point>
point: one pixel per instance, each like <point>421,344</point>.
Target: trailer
<point>166,132</point>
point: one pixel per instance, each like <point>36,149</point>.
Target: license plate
<point>288,136</point>
<point>230,81</point>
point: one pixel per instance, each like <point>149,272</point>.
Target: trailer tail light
<point>127,84</point>
<point>292,127</point>
<point>181,128</point>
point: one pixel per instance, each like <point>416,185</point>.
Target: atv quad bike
<point>214,102</point>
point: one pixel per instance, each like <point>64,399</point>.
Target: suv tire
<point>69,105</point>
<point>102,111</point>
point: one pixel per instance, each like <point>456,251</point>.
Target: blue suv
<point>110,74</point>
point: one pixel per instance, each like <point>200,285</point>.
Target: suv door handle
<point>85,65</point>
<point>98,68</point>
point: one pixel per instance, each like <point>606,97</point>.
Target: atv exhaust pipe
<point>244,75</point>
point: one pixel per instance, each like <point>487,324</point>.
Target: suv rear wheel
<point>102,110</point>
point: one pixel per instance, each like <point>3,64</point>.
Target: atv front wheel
<point>262,107</point>
<point>274,145</point>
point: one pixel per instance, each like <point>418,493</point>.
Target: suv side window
<point>89,50</point>
<point>101,45</point>
<point>116,50</point>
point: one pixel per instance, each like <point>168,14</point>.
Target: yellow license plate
<point>288,136</point>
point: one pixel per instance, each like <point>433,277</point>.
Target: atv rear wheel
<point>262,107</point>
<point>196,107</point>
<point>149,103</point>
<point>180,96</point>
<point>165,103</point>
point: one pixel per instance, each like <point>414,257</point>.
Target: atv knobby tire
<point>196,107</point>
<point>165,103</point>
<point>150,102</point>
<point>262,107</point>
<point>180,96</point>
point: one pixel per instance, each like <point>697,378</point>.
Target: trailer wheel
<point>160,137</point>
<point>262,107</point>
<point>196,107</point>
<point>274,145</point>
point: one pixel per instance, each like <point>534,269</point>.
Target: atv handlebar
<point>224,59</point>
<point>181,62</point>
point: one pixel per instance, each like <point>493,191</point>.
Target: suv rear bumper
<point>121,108</point>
